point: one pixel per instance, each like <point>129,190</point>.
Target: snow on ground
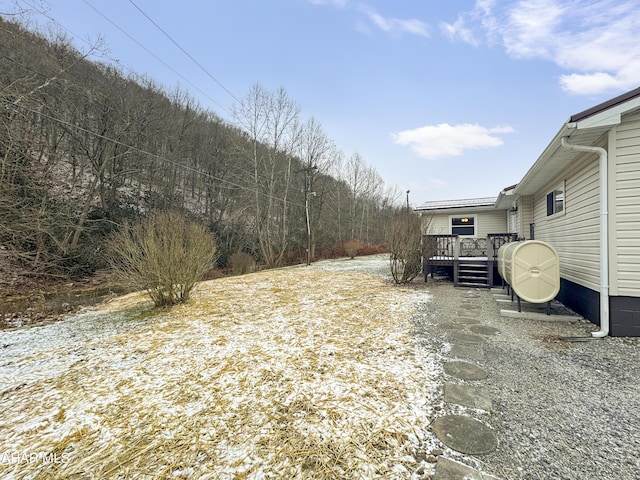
<point>375,264</point>
<point>305,372</point>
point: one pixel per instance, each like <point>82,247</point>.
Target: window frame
<point>551,200</point>
<point>475,225</point>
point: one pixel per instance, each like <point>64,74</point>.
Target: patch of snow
<point>276,371</point>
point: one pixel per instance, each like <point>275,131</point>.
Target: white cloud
<point>591,83</point>
<point>459,30</point>
<point>444,140</point>
<point>530,28</point>
<point>596,42</point>
<point>411,26</point>
<point>467,27</point>
<point>387,24</point>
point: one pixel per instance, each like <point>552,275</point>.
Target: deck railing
<point>438,248</point>
<point>496,240</point>
<point>444,250</point>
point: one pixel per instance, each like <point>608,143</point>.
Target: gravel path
<point>561,410</point>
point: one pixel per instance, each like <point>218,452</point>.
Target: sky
<point>446,99</point>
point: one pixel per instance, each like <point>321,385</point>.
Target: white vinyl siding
<point>491,221</point>
<point>525,217</point>
<point>576,233</point>
<point>625,256</point>
<point>435,224</point>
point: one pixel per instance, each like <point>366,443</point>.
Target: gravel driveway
<point>561,410</point>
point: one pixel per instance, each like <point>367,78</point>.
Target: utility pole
<point>408,199</point>
<point>307,192</point>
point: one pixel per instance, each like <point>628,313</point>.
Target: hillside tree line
<point>85,148</point>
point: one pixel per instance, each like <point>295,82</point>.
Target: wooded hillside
<point>84,148</point>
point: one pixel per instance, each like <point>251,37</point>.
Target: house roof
<point>605,105</point>
<point>505,198</point>
<point>585,128</point>
<point>484,203</point>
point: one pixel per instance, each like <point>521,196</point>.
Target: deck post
<point>456,259</point>
<point>490,260</point>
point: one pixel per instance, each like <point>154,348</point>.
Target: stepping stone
<point>470,295</point>
<point>468,305</point>
<point>466,320</point>
<point>451,470</point>
<point>466,351</point>
<point>484,329</point>
<point>450,326</point>
<point>464,370</point>
<point>474,397</point>
<point>466,337</point>
<point>465,434</point>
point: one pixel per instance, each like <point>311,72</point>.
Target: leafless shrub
<point>351,248</point>
<point>166,255</point>
<point>404,246</point>
<point>242,263</point>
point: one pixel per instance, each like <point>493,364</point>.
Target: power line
<point>184,51</point>
<point>66,86</point>
<point>184,167</point>
<point>144,152</point>
<point>131,37</point>
<point>45,14</point>
<point>47,78</point>
<point>154,55</point>
<point>53,20</point>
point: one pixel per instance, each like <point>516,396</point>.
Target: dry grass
<point>294,373</point>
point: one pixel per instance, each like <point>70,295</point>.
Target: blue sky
<point>450,100</point>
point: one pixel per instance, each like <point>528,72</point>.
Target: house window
<point>555,200</point>
<point>463,226</point>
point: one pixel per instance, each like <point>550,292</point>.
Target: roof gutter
<point>604,234</point>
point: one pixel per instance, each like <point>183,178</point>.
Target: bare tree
<point>338,195</point>
<point>405,237</point>
<point>34,87</point>
<point>355,177</point>
<point>84,147</point>
<point>271,122</point>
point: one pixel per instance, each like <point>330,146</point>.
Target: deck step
<point>472,279</point>
<point>472,285</point>
<point>473,274</point>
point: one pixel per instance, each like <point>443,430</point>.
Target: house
<point>582,196</point>
<point>462,237</point>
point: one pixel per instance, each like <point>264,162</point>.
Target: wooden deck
<point>472,262</point>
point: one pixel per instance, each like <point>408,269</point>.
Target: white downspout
<point>604,234</point>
